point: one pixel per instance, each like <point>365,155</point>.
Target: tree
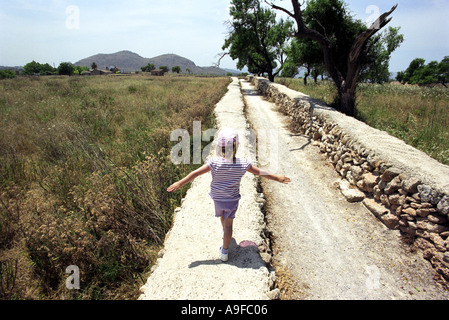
<point>148,68</point>
<point>31,68</point>
<point>343,63</point>
<point>376,63</point>
<point>256,38</point>
<point>307,54</point>
<point>78,70</point>
<point>164,68</point>
<point>94,66</point>
<point>66,68</point>
<point>34,67</point>
<point>176,69</point>
<point>7,74</point>
<point>418,72</point>
<point>443,71</point>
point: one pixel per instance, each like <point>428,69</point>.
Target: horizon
<point>55,31</point>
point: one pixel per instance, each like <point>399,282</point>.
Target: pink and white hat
<point>227,136</point>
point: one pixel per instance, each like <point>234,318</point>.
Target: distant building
<point>157,72</point>
<point>100,72</point>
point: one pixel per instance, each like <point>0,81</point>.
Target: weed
<point>84,165</point>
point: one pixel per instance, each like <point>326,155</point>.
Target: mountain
<point>130,62</point>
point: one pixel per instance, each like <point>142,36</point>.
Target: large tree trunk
<point>306,75</point>
<point>347,102</point>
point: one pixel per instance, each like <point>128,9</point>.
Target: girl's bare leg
<point>227,228</point>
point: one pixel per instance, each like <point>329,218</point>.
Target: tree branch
<point>362,38</point>
<point>222,55</point>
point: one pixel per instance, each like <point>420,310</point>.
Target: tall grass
<point>84,164</point>
<point>417,115</point>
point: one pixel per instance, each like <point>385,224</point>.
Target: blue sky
<point>52,31</point>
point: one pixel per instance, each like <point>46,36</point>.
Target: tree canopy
<point>34,67</point>
<point>257,39</point>
<point>419,72</point>
<point>345,42</point>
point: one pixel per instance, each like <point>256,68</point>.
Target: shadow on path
<point>243,255</point>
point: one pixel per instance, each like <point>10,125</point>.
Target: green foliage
<point>7,74</point>
<point>34,67</point>
<point>176,69</point>
<point>257,40</point>
<point>78,70</point>
<point>376,61</point>
<point>148,68</point>
<point>332,18</point>
<point>419,72</point>
<point>66,68</point>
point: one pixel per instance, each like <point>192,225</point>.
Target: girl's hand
<point>284,179</point>
<point>175,186</point>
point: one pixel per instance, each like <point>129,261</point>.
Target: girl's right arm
<point>260,172</point>
<point>189,178</point>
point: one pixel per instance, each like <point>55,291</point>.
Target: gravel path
<point>331,249</point>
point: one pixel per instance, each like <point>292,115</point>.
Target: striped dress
<point>226,177</point>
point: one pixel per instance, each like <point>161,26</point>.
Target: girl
<point>227,172</point>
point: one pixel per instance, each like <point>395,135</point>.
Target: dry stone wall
<point>403,187</point>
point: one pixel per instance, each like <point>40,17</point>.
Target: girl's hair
<point>228,154</point>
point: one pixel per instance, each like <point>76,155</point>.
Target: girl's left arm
<point>189,178</point>
<point>266,174</point>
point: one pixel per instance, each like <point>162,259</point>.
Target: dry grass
<point>417,115</point>
<point>84,164</point>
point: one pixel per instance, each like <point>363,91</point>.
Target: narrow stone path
<point>189,267</point>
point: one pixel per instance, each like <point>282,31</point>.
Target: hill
<point>130,62</point>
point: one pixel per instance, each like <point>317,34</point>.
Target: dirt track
<point>331,249</point>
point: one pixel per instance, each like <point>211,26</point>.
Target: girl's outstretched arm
<point>266,174</point>
<point>189,178</point>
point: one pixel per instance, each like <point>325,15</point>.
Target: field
<point>84,164</point>
<point>417,115</point>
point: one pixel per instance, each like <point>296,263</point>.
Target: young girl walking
<point>227,172</point>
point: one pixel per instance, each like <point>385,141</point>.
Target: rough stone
<point>443,205</point>
<point>357,172</point>
<point>351,194</point>
<point>410,211</point>
<point>393,185</point>
<point>427,194</point>
<point>390,220</point>
<point>423,212</point>
<point>274,294</point>
<point>376,208</point>
<point>370,181</point>
<point>438,242</point>
<point>389,174</point>
<point>410,185</point>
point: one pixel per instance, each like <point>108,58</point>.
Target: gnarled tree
<point>344,75</point>
<point>257,39</point>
